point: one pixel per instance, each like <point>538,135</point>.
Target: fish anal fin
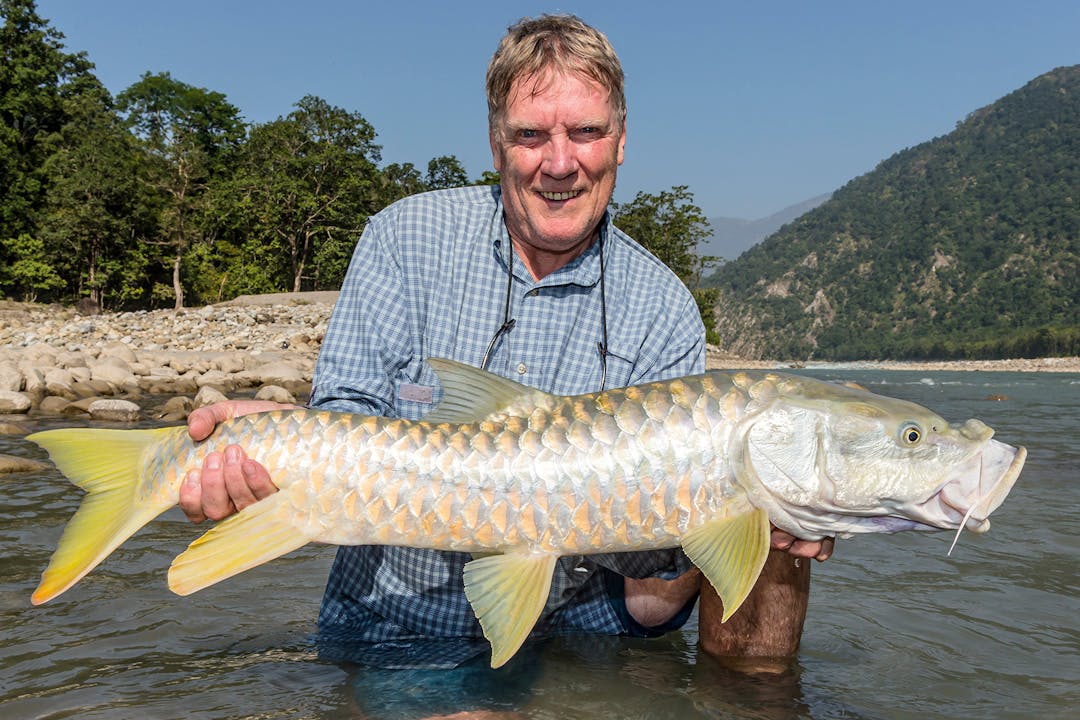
<point>730,553</point>
<point>257,534</point>
<point>507,593</point>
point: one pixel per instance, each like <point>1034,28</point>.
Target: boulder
<point>208,395</point>
<point>115,410</point>
<point>11,378</point>
<point>15,403</point>
<point>13,464</point>
<point>275,393</point>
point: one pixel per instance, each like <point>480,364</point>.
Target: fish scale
<point>520,477</point>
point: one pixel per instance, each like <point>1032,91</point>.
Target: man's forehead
<point>548,81</point>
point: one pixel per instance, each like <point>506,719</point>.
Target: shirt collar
<point>584,270</point>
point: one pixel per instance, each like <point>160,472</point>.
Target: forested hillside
<point>964,246</point>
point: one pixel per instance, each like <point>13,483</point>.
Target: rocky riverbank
<point>163,363</point>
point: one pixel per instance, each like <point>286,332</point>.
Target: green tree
<point>91,210</point>
<point>446,172</point>
<point>36,75</point>
<point>488,177</point>
<point>308,183</point>
<point>27,270</point>
<point>671,226</point>
<point>188,135</point>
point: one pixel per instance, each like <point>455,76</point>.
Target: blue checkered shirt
<point>428,279</point>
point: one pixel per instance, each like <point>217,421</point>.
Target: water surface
<point>896,629</point>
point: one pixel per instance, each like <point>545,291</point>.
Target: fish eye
<point>911,434</point>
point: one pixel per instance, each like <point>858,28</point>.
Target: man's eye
<point>528,134</point>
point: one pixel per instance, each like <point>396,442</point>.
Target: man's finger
<point>191,497</point>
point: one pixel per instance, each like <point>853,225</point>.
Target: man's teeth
<point>560,195</point>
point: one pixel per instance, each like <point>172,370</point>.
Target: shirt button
<point>533,293</point>
<point>521,368</point>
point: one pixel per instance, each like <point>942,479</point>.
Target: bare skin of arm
<point>229,481</point>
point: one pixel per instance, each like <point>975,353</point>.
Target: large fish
<point>521,477</point>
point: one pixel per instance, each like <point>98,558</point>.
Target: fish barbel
<point>522,477</point>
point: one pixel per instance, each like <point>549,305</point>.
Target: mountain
<point>730,237</point>
<point>964,246</point>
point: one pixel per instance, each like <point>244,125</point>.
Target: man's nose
<point>560,157</point>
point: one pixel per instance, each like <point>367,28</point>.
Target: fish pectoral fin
<point>508,593</point>
<point>730,552</point>
<point>255,535</point>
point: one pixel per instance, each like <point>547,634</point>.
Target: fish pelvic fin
<point>507,593</point>
<point>107,464</point>
<point>730,552</point>
<point>255,535</point>
<point>471,394</point>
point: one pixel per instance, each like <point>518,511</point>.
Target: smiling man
<point>531,281</point>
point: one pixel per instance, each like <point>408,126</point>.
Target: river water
<point>896,629</point>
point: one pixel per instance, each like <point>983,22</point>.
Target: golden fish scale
<point>621,470</point>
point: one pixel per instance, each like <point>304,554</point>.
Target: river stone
<point>53,405</point>
<point>11,378</point>
<point>10,428</point>
<point>110,373</point>
<point>13,464</point>
<point>229,363</point>
<point>175,408</point>
<point>115,410</point>
<point>218,379</point>
<point>208,395</point>
<point>14,402</point>
<point>275,393</point>
<point>69,359</point>
<point>120,351</point>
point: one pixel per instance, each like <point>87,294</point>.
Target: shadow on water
<point>896,629</point>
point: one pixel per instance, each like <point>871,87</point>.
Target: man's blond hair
<point>563,43</point>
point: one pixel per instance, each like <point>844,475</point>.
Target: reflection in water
<point>896,629</point>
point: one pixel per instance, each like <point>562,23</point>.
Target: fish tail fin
<point>106,464</point>
<point>257,534</point>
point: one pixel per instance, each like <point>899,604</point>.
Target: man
<point>531,281</point>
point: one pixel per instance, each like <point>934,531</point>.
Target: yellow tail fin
<point>106,464</point>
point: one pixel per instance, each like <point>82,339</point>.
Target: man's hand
<point>819,550</point>
<point>228,481</point>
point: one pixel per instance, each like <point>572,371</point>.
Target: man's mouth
<point>560,195</point>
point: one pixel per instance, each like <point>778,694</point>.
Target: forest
<point>163,196</point>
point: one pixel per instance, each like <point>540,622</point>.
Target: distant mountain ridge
<point>964,246</point>
<point>731,237</point>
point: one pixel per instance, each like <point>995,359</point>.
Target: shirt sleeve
<point>677,347</point>
<point>367,340</point>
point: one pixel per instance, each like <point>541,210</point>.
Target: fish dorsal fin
<point>508,593</point>
<point>471,394</point>
<point>730,552</point>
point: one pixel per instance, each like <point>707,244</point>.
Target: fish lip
<point>973,490</point>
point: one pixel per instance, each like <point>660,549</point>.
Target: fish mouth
<point>972,491</point>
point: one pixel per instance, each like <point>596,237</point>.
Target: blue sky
<point>754,106</point>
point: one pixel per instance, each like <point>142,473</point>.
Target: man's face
<point>557,150</point>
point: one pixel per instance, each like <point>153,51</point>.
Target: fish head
<point>828,459</point>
